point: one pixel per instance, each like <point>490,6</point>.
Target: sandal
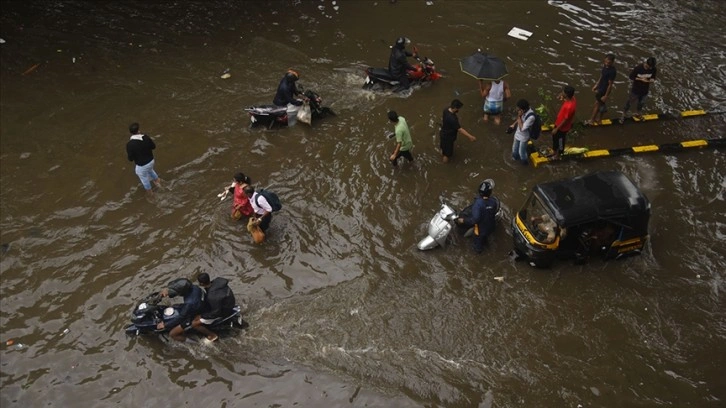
<point>207,340</point>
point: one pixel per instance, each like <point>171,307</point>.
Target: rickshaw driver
<point>548,226</point>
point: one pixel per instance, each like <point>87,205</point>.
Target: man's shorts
<point>493,107</point>
<point>447,146</point>
<point>207,321</point>
<point>403,153</point>
<point>601,105</point>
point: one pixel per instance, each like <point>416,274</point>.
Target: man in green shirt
<point>403,138</point>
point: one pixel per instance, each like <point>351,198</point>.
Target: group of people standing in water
<point>496,92</point>
<point>249,203</point>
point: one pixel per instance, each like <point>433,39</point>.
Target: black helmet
<point>179,287</point>
<point>486,187</point>
<point>292,75</point>
<point>402,42</point>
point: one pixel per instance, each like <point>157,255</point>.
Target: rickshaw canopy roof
<point>599,195</point>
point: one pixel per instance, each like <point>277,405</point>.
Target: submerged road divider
<point>646,118</point>
<point>578,153</point>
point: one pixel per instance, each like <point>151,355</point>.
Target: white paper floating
<point>519,33</point>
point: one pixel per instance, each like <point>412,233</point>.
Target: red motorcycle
<point>380,79</point>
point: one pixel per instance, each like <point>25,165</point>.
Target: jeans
<point>632,99</point>
<point>558,141</point>
<point>519,151</point>
<point>147,174</point>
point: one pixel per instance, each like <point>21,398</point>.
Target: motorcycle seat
<point>381,73</point>
<point>271,110</point>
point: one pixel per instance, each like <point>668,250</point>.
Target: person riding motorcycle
<point>483,215</point>
<point>398,61</point>
<point>219,302</point>
<point>287,90</point>
<point>193,301</point>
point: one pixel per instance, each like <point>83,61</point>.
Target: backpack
<point>536,128</point>
<point>271,198</point>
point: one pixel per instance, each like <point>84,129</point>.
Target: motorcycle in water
<point>441,225</point>
<point>148,313</point>
<point>271,115</point>
<point>380,79</point>
<point>444,221</point>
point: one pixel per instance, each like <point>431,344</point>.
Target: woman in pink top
<point>241,206</point>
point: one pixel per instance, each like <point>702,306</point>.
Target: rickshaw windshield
<point>538,221</point>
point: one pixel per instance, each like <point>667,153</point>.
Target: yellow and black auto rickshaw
<point>600,214</point>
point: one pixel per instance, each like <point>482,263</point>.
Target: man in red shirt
<point>564,120</point>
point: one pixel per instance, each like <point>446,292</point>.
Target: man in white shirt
<point>521,128</point>
<point>263,209</point>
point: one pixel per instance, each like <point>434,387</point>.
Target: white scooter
<point>441,225</point>
<point>444,221</point>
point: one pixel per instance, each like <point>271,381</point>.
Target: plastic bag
<point>305,114</point>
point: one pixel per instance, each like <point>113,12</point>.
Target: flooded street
<point>344,310</point>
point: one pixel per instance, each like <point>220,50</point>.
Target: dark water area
<point>344,310</point>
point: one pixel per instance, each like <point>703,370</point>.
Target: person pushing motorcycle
<point>398,62</point>
<point>193,302</point>
<point>219,303</point>
<point>483,214</point>
<point>287,90</point>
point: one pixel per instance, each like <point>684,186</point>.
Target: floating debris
<point>499,278</point>
<point>31,69</point>
<point>225,76</point>
<point>519,33</point>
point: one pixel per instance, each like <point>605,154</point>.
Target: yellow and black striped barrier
<point>576,153</point>
<point>645,118</point>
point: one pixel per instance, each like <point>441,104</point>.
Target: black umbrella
<point>484,66</point>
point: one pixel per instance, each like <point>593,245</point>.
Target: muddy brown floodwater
<point>343,309</point>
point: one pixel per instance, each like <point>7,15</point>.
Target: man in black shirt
<point>219,303</point>
<point>602,89</point>
<point>642,76</point>
<point>398,62</point>
<point>139,150</point>
<point>287,90</point>
<point>450,128</point>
